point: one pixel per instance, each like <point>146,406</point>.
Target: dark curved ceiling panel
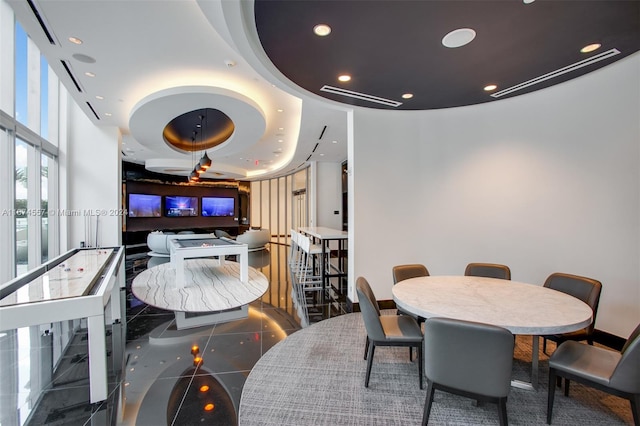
<point>198,130</point>
<point>394,47</point>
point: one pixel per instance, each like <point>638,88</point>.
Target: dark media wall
<point>180,222</point>
<point>137,180</point>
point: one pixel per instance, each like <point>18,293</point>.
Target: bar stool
<point>307,279</point>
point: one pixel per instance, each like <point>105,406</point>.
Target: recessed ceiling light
<point>280,140</point>
<point>344,78</point>
<point>280,128</point>
<point>99,97</point>
<point>528,1</point>
<point>490,87</point>
<point>459,37</point>
<point>407,96</point>
<point>280,110</point>
<point>322,30</point>
<point>75,40</point>
<point>590,48</point>
<point>108,114</point>
<point>321,155</point>
<point>334,141</point>
<point>89,74</point>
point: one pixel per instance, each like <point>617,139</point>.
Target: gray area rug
<point>316,377</point>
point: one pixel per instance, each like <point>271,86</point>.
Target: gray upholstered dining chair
<point>386,330</point>
<point>404,272</point>
<point>586,289</point>
<point>469,359</point>
<point>617,373</point>
<point>489,270</point>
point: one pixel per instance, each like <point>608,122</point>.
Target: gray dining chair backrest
<point>404,272</point>
<point>626,376</point>
<point>469,356</point>
<point>370,310</point>
<point>489,270</point>
<point>586,289</point>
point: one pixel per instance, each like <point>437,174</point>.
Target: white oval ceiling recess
<point>459,37</point>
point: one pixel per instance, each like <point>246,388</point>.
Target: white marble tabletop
<point>209,286</point>
<point>521,308</point>
<point>72,278</point>
<point>324,233</point>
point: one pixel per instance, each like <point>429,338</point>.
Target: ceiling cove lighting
<point>590,48</point>
<point>458,38</point>
<point>322,30</point>
<point>358,95</point>
<point>593,59</point>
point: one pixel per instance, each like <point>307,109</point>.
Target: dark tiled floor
<point>163,386</point>
<point>159,383</point>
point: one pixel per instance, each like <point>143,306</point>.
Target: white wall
<point>329,195</point>
<point>90,160</point>
<point>545,182</point>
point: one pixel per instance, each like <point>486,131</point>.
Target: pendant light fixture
<point>205,162</point>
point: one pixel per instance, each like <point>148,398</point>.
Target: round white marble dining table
<point>209,286</point>
<point>519,307</point>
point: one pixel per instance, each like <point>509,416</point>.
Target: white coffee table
<point>181,249</point>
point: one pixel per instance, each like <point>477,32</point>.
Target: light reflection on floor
<point>163,382</point>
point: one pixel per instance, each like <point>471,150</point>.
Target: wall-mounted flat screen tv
<point>175,206</point>
<point>144,205</point>
<point>218,206</point>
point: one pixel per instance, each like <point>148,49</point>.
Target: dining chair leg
<point>502,411</point>
<point>427,403</point>
<point>411,353</point>
<point>551,395</point>
<point>420,363</point>
<point>366,348</point>
<point>372,348</point>
<point>635,404</point>
<point>566,386</point>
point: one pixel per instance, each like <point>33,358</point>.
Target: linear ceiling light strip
<point>556,73</point>
<point>41,22</point>
<point>93,111</point>
<point>358,95</point>
<point>73,79</point>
